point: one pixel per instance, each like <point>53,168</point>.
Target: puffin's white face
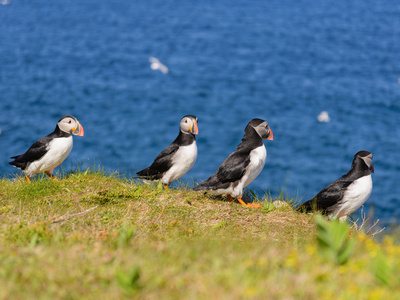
<point>71,125</point>
<point>264,131</point>
<point>189,125</point>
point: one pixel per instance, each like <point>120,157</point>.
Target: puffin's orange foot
<point>254,205</point>
<point>166,187</point>
<point>27,179</point>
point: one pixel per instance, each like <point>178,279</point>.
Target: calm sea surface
<point>229,61</point>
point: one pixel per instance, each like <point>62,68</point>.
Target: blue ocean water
<point>230,61</point>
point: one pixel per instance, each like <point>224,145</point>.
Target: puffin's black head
<point>189,124</point>
<point>261,127</point>
<point>364,157</point>
<point>71,125</point>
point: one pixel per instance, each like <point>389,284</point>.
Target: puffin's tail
<point>148,174</point>
<point>199,187</point>
<point>211,183</point>
<point>308,206</point>
<point>18,162</point>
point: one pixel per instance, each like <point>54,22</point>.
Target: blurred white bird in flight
<point>157,65</point>
<point>323,116</point>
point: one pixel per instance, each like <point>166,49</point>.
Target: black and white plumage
<point>243,165</point>
<point>49,151</point>
<point>345,195</point>
<point>178,158</point>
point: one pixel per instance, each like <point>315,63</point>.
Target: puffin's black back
<point>234,166</point>
<point>327,199</point>
<point>37,150</point>
<point>163,161</point>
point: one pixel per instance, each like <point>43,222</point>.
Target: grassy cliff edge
<point>93,235</point>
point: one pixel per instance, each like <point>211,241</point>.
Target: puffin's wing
<point>327,198</point>
<point>35,152</point>
<point>232,169</point>
<point>161,164</point>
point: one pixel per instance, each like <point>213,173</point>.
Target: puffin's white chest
<point>57,151</point>
<point>253,169</point>
<point>257,162</point>
<point>182,162</point>
<point>355,196</point>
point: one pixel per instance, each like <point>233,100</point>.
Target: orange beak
<point>195,130</point>
<point>78,130</point>
<point>270,135</point>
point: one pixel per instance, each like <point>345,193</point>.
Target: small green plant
<point>268,207</point>
<point>137,191</point>
<point>34,240</point>
<point>333,240</point>
<point>129,282</point>
<point>221,224</point>
<point>382,269</point>
<point>125,235</point>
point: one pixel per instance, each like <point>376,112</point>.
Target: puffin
<point>346,194</point>
<point>242,166</point>
<point>178,158</point>
<point>49,151</point>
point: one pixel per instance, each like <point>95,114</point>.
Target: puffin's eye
<point>69,121</point>
<point>185,121</point>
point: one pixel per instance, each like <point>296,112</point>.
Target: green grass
<point>97,236</point>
